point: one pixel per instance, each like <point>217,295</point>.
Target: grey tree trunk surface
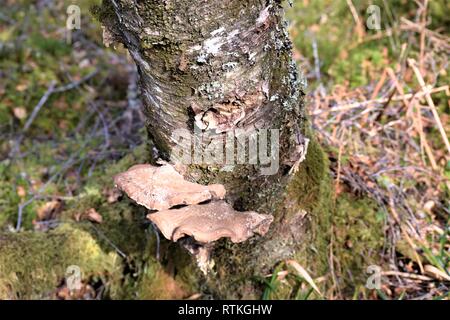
<point>221,67</point>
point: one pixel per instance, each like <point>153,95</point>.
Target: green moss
<point>358,240</point>
<point>351,227</point>
<point>123,222</point>
<point>157,283</point>
<point>311,181</point>
<point>33,264</point>
<point>330,26</point>
<point>48,46</point>
<point>312,190</point>
<point>352,68</point>
<point>118,251</point>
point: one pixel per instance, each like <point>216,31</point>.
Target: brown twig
<point>359,25</point>
<point>422,36</point>
<point>427,93</point>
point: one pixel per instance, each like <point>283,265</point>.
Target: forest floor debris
<point>389,141</point>
<point>383,118</point>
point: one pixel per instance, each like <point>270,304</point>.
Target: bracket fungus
<point>160,188</point>
<point>210,222</point>
<point>199,223</point>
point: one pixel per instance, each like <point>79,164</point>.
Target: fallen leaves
<point>86,292</point>
<point>112,195</point>
<point>90,214</point>
<point>49,211</point>
<point>21,192</point>
<point>20,113</point>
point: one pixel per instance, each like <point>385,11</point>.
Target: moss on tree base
<point>33,264</point>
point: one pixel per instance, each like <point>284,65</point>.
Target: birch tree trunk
<point>222,66</point>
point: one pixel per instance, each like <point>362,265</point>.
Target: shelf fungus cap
<point>210,222</point>
<point>162,187</point>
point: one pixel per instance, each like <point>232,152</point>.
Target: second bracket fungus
<point>210,222</point>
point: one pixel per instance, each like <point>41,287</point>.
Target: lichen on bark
<point>220,65</point>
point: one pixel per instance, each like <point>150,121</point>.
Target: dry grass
<point>391,144</point>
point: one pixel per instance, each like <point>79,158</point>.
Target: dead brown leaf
<point>112,195</point>
<point>49,210</point>
<point>20,113</point>
<point>21,192</point>
<point>85,293</point>
<point>22,87</point>
<point>91,214</point>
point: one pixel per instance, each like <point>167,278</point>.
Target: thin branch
<point>427,92</point>
<point>39,106</point>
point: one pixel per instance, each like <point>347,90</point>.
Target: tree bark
<point>225,66</point>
